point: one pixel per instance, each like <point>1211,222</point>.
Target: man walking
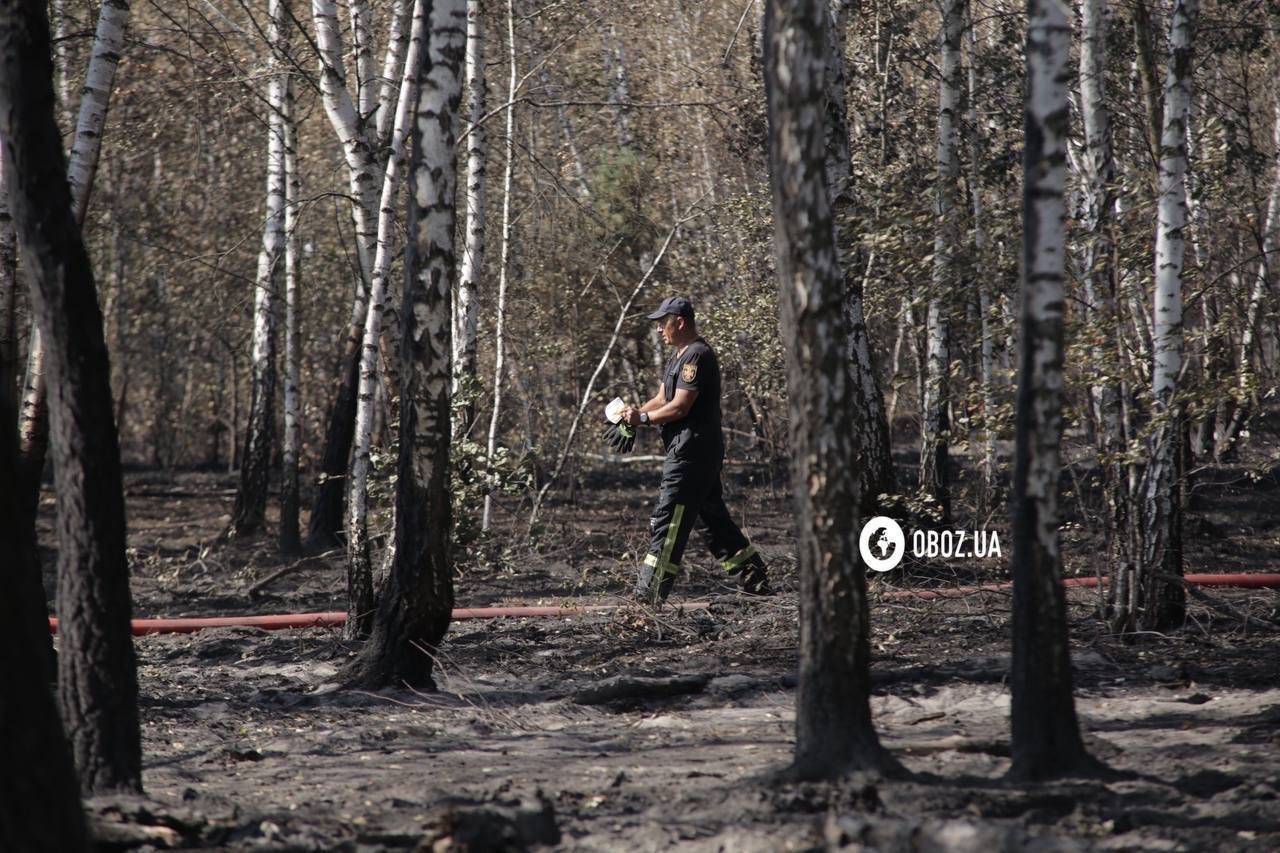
<point>687,408</point>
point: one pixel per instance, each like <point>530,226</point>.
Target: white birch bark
<point>367,87</point>
<point>986,330</point>
<point>1045,732</point>
<point>392,65</point>
<point>360,576</point>
<point>94,97</point>
<point>62,63</point>
<point>415,606</point>
<point>499,332</point>
<point>363,174</point>
<point>934,426</point>
<point>1246,381</point>
<point>251,496</point>
<point>290,536</point>
<point>1161,603</point>
<point>466,310</point>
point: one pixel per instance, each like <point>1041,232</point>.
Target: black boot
<point>753,577</point>
<point>652,586</point>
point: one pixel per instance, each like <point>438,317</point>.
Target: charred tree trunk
<point>1046,735</point>
<point>98,684</point>
<point>415,605</point>
<point>359,561</point>
<point>834,734</point>
<point>39,800</point>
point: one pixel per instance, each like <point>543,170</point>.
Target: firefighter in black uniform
<point>687,408</point>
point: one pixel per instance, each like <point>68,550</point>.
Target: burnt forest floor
<point>250,744</point>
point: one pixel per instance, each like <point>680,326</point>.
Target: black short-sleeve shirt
<point>697,369</point>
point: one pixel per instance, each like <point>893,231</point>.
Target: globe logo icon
<point>882,544</point>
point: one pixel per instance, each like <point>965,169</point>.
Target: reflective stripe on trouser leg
<point>735,562</point>
<point>662,563</point>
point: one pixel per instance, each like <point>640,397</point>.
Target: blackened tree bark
<point>98,685</point>
<point>834,734</point>
<point>416,603</point>
<point>1046,735</point>
<point>39,804</point>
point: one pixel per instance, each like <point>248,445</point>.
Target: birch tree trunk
<point>364,178</point>
<point>255,463</point>
<point>417,601</point>
<point>367,88</point>
<point>834,733</point>
<point>1161,601</point>
<point>876,463</point>
<point>1046,734</point>
<point>986,330</point>
<point>360,602</point>
<point>934,479</point>
<point>1246,381</point>
<point>108,42</point>
<point>290,535</point>
<point>392,68</point>
<point>1098,275</point>
<point>499,332</point>
<point>97,684</point>
<point>466,309</point>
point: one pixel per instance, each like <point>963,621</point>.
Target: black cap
<point>677,305</point>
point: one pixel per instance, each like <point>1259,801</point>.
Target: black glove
<point>620,437</point>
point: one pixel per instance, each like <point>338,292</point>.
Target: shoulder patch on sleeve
<point>689,372</point>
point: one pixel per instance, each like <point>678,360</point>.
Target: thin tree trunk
<point>98,687</point>
<point>1246,381</point>
<point>1161,603</point>
<point>566,133</point>
<point>255,466</point>
<point>415,606</point>
<point>1148,77</point>
<point>467,308</point>
<point>364,177</point>
<point>986,331</point>
<point>500,322</point>
<point>834,733</point>
<point>8,299</point>
<point>290,534</point>
<point>1098,277</point>
<point>401,14</point>
<point>876,464</point>
<point>1046,734</point>
<point>360,601</point>
<point>365,62</point>
<point>935,424</point>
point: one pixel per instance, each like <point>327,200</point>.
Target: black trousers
<point>691,496</point>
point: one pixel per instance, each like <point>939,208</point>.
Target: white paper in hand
<point>613,411</point>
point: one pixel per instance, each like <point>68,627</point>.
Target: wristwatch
<point>644,419</point>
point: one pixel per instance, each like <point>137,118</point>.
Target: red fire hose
<point>335,618</point>
<point>1251,581</point>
